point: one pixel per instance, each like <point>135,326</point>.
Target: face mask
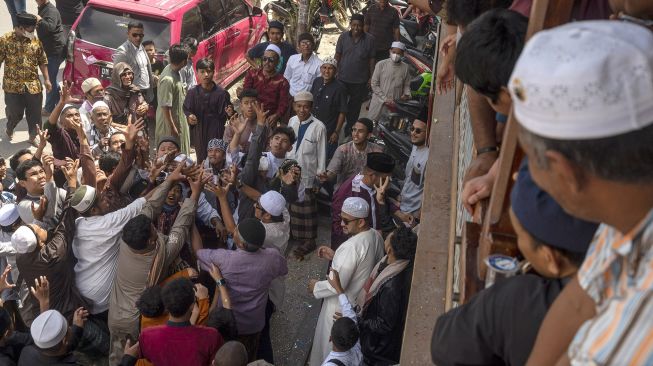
<point>395,57</point>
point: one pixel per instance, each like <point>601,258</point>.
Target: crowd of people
<point>153,219</point>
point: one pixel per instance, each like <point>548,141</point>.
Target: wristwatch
<point>220,282</point>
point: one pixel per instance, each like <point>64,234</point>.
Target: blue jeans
<point>15,7</point>
<point>52,98</point>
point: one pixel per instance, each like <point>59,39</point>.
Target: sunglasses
<point>268,59</point>
<point>416,130</point>
<point>139,35</point>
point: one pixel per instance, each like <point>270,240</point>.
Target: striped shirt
<point>618,275</point>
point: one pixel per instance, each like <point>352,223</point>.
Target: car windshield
<point>109,28</point>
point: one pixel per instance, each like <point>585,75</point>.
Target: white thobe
<point>276,236</point>
<point>354,261</point>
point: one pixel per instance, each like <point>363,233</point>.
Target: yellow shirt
<point>22,58</point>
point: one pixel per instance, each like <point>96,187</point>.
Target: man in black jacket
<point>51,33</point>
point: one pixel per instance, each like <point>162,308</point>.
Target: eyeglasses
<point>305,43</point>
<point>268,59</point>
<point>416,130</point>
<point>344,221</point>
<point>139,35</point>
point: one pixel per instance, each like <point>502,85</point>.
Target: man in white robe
<point>354,261</point>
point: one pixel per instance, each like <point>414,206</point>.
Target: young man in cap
<point>170,117</point>
<point>275,37</point>
<point>309,151</point>
<point>353,261</point>
<point>248,272</point>
<point>205,108</point>
<point>350,158</point>
<point>271,86</point>
<point>510,312</point>
<point>133,53</point>
<point>146,257</point>
<point>52,36</point>
<point>355,54</point>
<point>374,177</point>
<point>178,342</point>
<point>23,56</point>
<point>216,159</point>
<point>304,67</point>
<point>330,102</point>
<point>390,81</point>
<point>382,22</point>
<point>598,170</point>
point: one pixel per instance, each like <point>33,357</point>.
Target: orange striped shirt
<point>618,274</point>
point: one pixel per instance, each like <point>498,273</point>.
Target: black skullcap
<point>367,122</point>
<point>26,20</point>
<point>305,37</point>
<point>252,93</point>
<point>380,162</point>
<point>358,17</point>
<point>543,218</point>
<point>252,232</point>
<point>172,139</point>
<point>276,24</point>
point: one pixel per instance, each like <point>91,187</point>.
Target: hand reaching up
<point>132,131</point>
<point>41,290</point>
<point>381,190</point>
<point>39,211</point>
<point>4,280</point>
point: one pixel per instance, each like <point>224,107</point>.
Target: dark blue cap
<point>543,218</point>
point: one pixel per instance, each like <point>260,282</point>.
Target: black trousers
<point>24,104</point>
<point>357,94</point>
<point>265,342</point>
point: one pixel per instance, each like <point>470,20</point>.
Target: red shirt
<point>273,92</point>
<point>180,344</point>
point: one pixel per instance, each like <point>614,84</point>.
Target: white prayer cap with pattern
<point>585,80</point>
<point>274,48</point>
<point>356,207</point>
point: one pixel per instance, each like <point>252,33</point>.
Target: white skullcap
<point>330,61</point>
<point>304,96</point>
<point>356,207</point>
<point>23,240</point>
<point>273,203</point>
<point>8,214</point>
<point>99,104</point>
<point>25,210</point>
<point>89,84</point>
<point>398,45</point>
<point>585,80</point>
<point>49,329</point>
<point>83,198</point>
<point>274,48</point>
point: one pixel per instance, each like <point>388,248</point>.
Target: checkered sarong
<point>303,217</point>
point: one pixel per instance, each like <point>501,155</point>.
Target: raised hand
<point>4,280</point>
<point>41,290</point>
<point>238,123</point>
<point>43,137</point>
<point>176,174</point>
<point>48,166</point>
<point>132,130</point>
<point>219,190</point>
<point>70,169</point>
<point>197,183</point>
<point>380,190</point>
<point>65,94</point>
<point>39,212</point>
<point>261,114</point>
<point>80,316</point>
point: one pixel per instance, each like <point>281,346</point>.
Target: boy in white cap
<point>390,81</point>
<point>330,102</point>
<point>309,150</point>
<point>353,260</point>
<point>583,96</point>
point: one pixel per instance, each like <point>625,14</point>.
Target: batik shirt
<point>22,58</point>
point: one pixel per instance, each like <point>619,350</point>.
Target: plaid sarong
<point>303,217</point>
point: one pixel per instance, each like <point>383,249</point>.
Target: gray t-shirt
<point>411,193</point>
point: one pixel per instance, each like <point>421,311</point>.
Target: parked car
<point>225,29</point>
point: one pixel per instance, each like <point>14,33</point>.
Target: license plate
<point>105,72</point>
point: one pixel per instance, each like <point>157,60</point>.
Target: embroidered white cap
<point>89,84</point>
<point>356,207</point>
<point>585,80</point>
<point>399,45</point>
<point>99,104</point>
<point>49,329</point>
<point>273,203</point>
<point>8,214</point>
<point>23,240</point>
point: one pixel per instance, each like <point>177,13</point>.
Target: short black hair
<point>205,64</point>
<point>344,334</point>
<point>404,243</point>
<point>150,304</point>
<point>178,296</point>
<point>108,161</point>
<point>488,50</point>
<point>13,160</point>
<point>285,130</point>
<point>463,12</point>
<point>223,320</point>
<point>249,92</point>
<point>178,54</point>
<point>191,43</point>
<point>575,258</point>
<point>136,232</point>
<point>306,37</point>
<point>25,166</point>
<point>134,24</point>
<point>149,42</point>
<point>626,158</point>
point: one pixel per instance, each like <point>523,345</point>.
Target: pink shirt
<point>176,344</point>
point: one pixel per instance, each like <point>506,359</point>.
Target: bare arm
<point>483,130</point>
<point>396,33</point>
<point>565,316</point>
